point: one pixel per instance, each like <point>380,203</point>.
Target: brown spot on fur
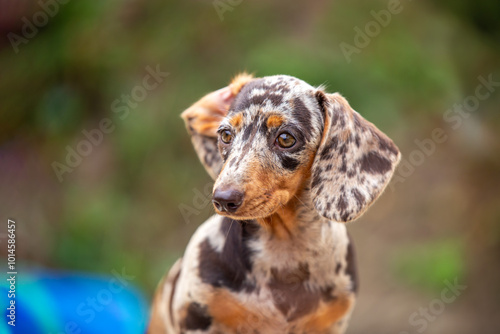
<point>360,199</point>
<point>196,317</point>
<point>327,292</point>
<point>227,310</point>
<point>276,99</point>
<point>374,163</point>
<point>328,314</point>
<point>275,121</point>
<point>236,121</point>
<point>290,294</point>
<point>341,204</point>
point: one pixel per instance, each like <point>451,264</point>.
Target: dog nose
<point>228,200</point>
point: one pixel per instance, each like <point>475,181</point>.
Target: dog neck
<point>293,235</point>
<point>293,219</point>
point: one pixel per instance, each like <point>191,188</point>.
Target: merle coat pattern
<point>291,165</point>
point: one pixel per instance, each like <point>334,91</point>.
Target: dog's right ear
<point>203,118</point>
<point>354,163</point>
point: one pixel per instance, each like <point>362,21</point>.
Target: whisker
<point>232,221</point>
<point>306,205</point>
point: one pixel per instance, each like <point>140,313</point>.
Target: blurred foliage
<point>429,265</point>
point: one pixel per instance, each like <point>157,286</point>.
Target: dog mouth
<point>252,209</point>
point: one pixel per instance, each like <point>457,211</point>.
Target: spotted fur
<point>280,261</point>
<point>354,163</point>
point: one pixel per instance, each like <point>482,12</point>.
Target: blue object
<point>53,302</point>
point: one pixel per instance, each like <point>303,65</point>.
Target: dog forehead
<point>273,93</point>
<point>276,100</point>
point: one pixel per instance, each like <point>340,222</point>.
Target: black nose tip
<point>228,200</point>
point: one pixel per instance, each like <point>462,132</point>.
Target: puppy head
<point>281,137</point>
<point>267,141</point>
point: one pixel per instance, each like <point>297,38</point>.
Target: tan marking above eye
<point>275,121</point>
<point>236,121</point>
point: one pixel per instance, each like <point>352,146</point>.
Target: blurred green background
<point>123,204</point>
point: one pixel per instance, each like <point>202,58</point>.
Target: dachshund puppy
<point>291,165</point>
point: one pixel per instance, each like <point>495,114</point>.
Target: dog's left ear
<point>203,118</point>
<point>354,162</point>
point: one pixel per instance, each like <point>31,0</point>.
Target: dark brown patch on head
<point>273,93</point>
<point>197,318</point>
<point>242,101</point>
<point>374,163</point>
<point>323,102</point>
<point>258,99</point>
<point>289,163</point>
<point>302,115</point>
<point>276,99</point>
<point>249,129</point>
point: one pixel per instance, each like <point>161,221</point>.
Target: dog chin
<point>236,215</point>
<point>242,215</point>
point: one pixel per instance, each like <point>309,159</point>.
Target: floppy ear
<point>203,118</point>
<point>354,162</point>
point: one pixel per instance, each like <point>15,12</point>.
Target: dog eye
<point>226,136</point>
<point>285,140</point>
